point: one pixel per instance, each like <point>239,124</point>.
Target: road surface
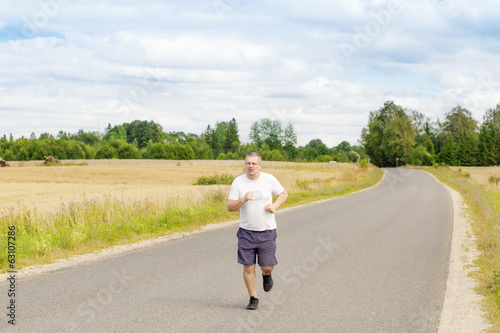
<point>376,261</point>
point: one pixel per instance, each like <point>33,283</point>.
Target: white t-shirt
<point>253,214</point>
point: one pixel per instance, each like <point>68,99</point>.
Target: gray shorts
<point>257,243</point>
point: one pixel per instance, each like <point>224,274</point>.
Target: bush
<point>363,164</point>
<point>494,179</point>
<point>222,179</point>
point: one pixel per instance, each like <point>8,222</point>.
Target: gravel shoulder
<point>462,310</point>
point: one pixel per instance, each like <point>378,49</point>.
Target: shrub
<point>216,179</point>
<point>494,179</point>
<point>363,164</point>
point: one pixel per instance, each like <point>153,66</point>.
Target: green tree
<point>89,138</point>
<point>128,151</point>
<point>389,134</point>
<point>314,144</point>
<point>401,135</point>
<point>344,146</point>
<point>420,156</point>
<point>353,156</point>
<point>489,137</point>
<point>106,151</point>
<point>232,140</point>
<point>289,137</point>
<point>467,150</point>
<point>269,131</point>
<point>448,153</point>
<point>459,123</point>
<point>143,131</point>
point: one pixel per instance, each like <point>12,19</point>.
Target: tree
<point>143,131</point>
<point>458,123</point>
<point>489,137</point>
<point>289,137</point>
<point>106,151</point>
<point>344,146</point>
<point>420,156</point>
<point>390,134</point>
<point>448,153</point>
<point>267,131</point>
<point>401,135</point>
<point>314,144</point>
<point>127,151</point>
<point>492,117</point>
<point>353,156</point>
<point>467,150</point>
<point>232,140</point>
<point>89,138</point>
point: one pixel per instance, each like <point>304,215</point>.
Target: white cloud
<point>185,66</point>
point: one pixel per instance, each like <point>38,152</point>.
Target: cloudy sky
<point>321,65</point>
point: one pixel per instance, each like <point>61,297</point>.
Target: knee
<point>267,270</point>
<point>249,269</point>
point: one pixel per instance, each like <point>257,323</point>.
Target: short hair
<point>253,154</point>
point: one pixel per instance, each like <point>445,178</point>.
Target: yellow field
<point>481,174</point>
<point>46,188</point>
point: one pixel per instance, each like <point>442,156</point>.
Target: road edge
<point>462,310</point>
<point>77,260</point>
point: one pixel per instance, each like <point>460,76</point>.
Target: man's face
<point>252,166</point>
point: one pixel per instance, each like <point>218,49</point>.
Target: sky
<point>321,65</point>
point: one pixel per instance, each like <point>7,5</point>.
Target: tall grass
<point>483,205</point>
<point>87,224</point>
<point>318,189</point>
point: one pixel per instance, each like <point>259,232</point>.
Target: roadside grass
<point>483,206</point>
<point>318,189</point>
<point>87,224</point>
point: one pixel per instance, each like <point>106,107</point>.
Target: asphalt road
<point>376,261</point>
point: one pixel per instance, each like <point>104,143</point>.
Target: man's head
<point>253,163</point>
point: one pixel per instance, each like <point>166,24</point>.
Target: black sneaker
<point>268,282</point>
<point>254,303</point>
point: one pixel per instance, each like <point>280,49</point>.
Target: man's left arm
<point>280,200</point>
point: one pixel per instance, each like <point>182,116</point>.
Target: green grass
<point>317,189</point>
<point>483,207</point>
<point>216,179</point>
<point>86,225</point>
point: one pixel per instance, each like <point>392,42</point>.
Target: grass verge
<point>483,206</point>
<point>88,224</point>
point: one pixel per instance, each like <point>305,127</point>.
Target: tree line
<point>396,135</point>
<point>274,140</point>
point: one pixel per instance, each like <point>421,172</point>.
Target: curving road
<point>376,261</point>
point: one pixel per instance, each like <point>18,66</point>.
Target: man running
<point>252,194</point>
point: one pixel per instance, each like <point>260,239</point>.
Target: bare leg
<point>267,270</point>
<point>250,280</point>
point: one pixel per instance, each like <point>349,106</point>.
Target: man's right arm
<point>234,205</point>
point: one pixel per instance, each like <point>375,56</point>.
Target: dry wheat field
<point>64,210</point>
<point>481,174</point>
<point>46,187</point>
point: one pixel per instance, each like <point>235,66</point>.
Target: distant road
<point>376,261</point>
